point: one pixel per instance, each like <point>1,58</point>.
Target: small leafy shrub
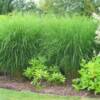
<point>39,77</point>
<point>56,78</point>
<point>39,73</point>
<point>36,72</point>
<point>89,76</point>
<point>5,6</point>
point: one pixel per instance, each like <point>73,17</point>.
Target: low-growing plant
<point>36,72</point>
<point>39,73</point>
<point>40,76</point>
<point>89,76</point>
<point>56,78</point>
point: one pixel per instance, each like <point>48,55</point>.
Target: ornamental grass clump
<point>62,41</point>
<point>67,41</point>
<point>20,42</point>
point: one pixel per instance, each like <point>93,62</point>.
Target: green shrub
<point>56,78</point>
<point>36,66</point>
<point>39,73</point>
<point>5,6</point>
<point>89,7</point>
<point>89,76</point>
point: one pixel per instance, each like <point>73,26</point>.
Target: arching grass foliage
<point>63,41</point>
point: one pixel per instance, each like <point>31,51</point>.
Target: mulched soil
<point>66,90</point>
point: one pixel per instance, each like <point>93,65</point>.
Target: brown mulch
<point>66,90</point>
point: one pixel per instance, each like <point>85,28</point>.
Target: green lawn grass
<point>14,95</point>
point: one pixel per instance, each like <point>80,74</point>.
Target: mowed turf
<point>15,95</point>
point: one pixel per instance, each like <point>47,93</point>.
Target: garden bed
<point>66,90</point>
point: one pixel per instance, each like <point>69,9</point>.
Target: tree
<point>5,6</point>
<point>23,5</point>
<point>62,7</point>
<point>89,7</point>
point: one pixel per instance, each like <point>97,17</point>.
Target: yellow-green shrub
<point>89,76</point>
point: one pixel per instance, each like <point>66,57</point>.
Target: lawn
<point>14,95</point>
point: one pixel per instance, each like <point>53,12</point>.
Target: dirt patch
<point>66,90</point>
<point>62,90</point>
<point>12,84</point>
